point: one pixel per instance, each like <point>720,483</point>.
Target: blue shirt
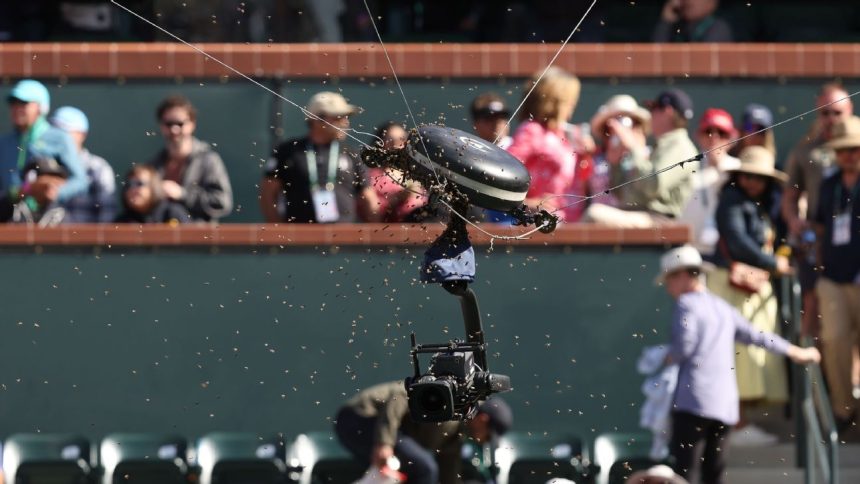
<point>704,330</point>
<point>49,142</point>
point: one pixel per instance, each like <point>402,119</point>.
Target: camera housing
<point>455,384</point>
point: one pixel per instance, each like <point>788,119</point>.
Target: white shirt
<point>700,210</point>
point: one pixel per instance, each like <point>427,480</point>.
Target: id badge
<point>325,206</point>
<point>842,229</point>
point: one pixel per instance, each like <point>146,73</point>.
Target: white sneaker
<point>855,392</point>
<point>751,436</point>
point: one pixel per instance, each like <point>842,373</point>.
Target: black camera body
<point>455,384</point>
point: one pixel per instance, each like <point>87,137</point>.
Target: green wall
<point>236,115</point>
<point>191,341</point>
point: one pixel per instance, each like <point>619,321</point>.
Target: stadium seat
<point>143,459</point>
<point>538,457</point>
<point>43,458</point>
<point>240,458</point>
<point>620,454</point>
<point>318,458</point>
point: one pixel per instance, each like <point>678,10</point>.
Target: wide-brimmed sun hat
<point>330,104</point>
<point>846,134</point>
<point>619,105</point>
<point>758,160</point>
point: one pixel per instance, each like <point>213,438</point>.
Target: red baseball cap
<point>720,119</point>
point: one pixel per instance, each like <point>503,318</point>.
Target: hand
<point>173,190</point>
<point>783,266</point>
<point>671,11</point>
<point>796,226</point>
<point>381,454</point>
<point>803,356</point>
<point>626,136</point>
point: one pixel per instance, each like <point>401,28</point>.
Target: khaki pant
<point>627,219</point>
<point>840,332</point>
<point>761,375</point>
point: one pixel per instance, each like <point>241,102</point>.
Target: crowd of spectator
<point>437,20</point>
<point>748,217</point>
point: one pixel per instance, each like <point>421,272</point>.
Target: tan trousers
<point>839,305</point>
<point>627,219</point>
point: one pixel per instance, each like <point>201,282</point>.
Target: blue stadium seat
<point>318,458</point>
<point>538,457</point>
<point>41,458</point>
<point>143,459</point>
<point>620,454</point>
<point>240,458</point>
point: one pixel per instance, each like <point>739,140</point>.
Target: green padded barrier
<point>318,458</point>
<point>620,454</point>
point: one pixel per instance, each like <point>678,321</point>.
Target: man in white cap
<point>32,138</point>
<point>98,203</point>
<point>703,332</point>
<point>313,179</point>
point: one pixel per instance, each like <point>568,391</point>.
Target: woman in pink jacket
<point>542,142</point>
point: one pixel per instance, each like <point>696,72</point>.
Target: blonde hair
<point>558,88</point>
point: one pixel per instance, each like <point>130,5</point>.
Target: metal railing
<point>817,436</point>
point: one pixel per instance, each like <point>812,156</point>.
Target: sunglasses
<point>136,183</point>
<point>172,122</point>
<point>716,133</point>
<point>830,112</point>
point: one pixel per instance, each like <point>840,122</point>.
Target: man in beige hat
<point>704,329</point>
<point>810,162</point>
<point>838,226</point>
<point>313,179</point>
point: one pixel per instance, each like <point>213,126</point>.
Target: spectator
<point>659,193</point>
<point>544,148</point>
<point>626,111</point>
<point>398,196</point>
<point>490,119</point>
<point>704,328</point>
<point>756,118</point>
<point>807,165</point>
<point>838,224</point>
<point>98,204</point>
<point>691,21</point>
<point>33,138</point>
<point>375,425</point>
<point>192,172</point>
<point>747,237</point>
<point>313,177</point>
<point>43,180</point>
<point>145,202</point>
<point>716,130</point>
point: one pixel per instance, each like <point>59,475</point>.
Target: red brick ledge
<point>174,60</point>
<point>290,235</point>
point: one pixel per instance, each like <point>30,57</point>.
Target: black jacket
<point>742,223</point>
<point>164,212</point>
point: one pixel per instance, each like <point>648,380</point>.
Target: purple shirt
<point>704,329</point>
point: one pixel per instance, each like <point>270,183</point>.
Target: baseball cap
<point>718,118</point>
<point>31,91</point>
<point>328,103</point>
<point>489,105</point>
<point>675,98</point>
<point>684,257</point>
<point>46,166</point>
<point>501,416</point>
<point>69,118</point>
<point>757,115</point>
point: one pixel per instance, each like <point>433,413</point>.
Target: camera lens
<point>433,399</point>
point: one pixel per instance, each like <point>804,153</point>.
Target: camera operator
<point>375,425</point>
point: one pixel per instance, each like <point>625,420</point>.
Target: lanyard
<point>313,174</point>
<point>837,198</point>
